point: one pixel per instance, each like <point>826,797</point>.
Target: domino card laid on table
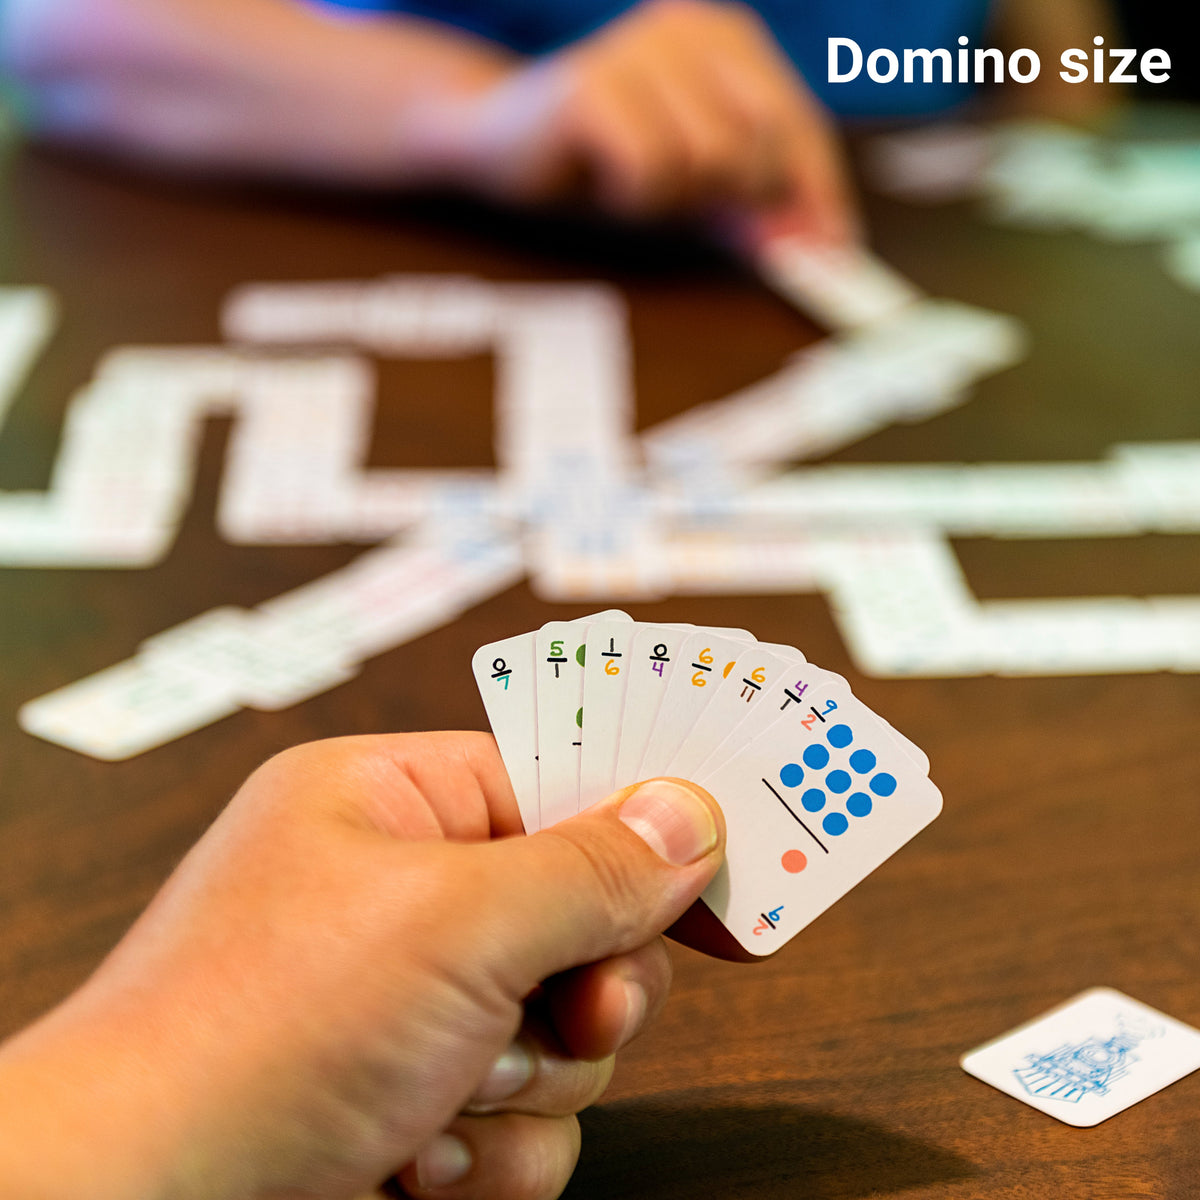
<point>1088,1058</point>
<point>843,287</point>
<point>816,789</point>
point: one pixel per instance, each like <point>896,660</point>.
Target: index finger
<point>822,204</point>
<point>415,787</point>
<point>818,200</point>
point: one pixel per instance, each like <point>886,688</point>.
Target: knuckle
<point>639,193</point>
<point>337,750</point>
<point>720,162</point>
<point>762,111</point>
<point>635,166</point>
<point>743,20</point>
<point>327,761</point>
<point>294,758</point>
<point>665,174</point>
<point>632,167</point>
<point>716,154</point>
<point>288,767</point>
<point>682,10</point>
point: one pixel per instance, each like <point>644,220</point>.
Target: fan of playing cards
<point>817,790</point>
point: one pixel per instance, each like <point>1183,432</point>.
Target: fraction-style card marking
<point>504,675</point>
<point>705,660</point>
<point>560,648</point>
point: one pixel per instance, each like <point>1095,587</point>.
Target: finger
<point>562,1060</point>
<point>822,204</point>
<point>805,160</point>
<point>602,883</point>
<point>616,124</point>
<point>522,141</point>
<point>412,787</point>
<point>815,201</point>
<point>509,1156</point>
<point>676,51</point>
<point>762,120</point>
<point>537,1075</point>
<point>601,1007</point>
<point>744,76</point>
<point>716,155</point>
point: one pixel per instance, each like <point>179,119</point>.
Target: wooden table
<point>1068,854</point>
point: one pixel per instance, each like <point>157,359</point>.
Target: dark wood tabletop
<point>1068,852</point>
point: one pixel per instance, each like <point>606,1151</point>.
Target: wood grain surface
<point>1068,854</point>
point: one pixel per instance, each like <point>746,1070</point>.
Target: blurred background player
<point>663,107</point>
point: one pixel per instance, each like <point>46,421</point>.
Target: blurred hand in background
<point>677,107</point>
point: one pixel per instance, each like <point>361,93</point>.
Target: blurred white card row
<point>579,501</point>
<point>1043,175</point>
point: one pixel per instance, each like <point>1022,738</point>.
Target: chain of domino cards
<point>1040,174</point>
<point>843,287</point>
<point>817,790</point>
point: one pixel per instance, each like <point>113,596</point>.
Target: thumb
<point>604,882</point>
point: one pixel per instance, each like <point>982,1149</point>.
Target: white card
<point>841,287</point>
<point>736,699</point>
<point>605,676</point>
<point>606,673</point>
<point>559,649</point>
<point>816,789</point>
<point>1089,1058</point>
<point>129,708</point>
<point>812,806</point>
<point>504,674</point>
<point>807,676</point>
<point>705,660</point>
<point>652,657</point>
<point>931,164</point>
<point>781,692</point>
<point>265,668</point>
<point>27,319</point>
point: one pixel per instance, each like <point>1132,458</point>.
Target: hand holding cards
<point>817,790</point>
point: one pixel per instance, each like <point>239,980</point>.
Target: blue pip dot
<point>813,800</point>
<point>883,784</point>
<point>835,824</point>
<point>859,805</point>
<point>837,781</point>
<point>862,761</point>
<point>816,756</point>
<point>840,736</point>
<point>791,775</point>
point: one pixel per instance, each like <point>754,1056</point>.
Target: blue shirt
<point>801,27</point>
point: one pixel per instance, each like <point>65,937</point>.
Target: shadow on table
<point>646,1149</point>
